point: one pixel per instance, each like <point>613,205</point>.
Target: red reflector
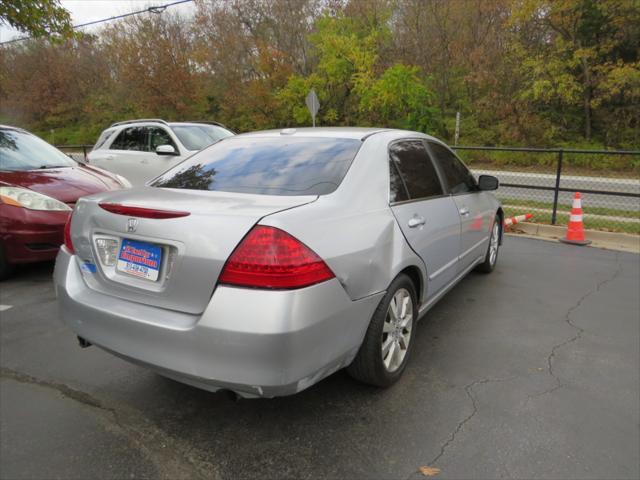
<point>271,258</point>
<point>67,234</point>
<point>141,212</point>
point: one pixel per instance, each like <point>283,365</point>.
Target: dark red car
<point>39,186</point>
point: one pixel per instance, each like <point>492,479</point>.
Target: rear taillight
<point>271,258</point>
<point>67,235</point>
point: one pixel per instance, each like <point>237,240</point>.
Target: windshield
<point>268,166</point>
<point>23,151</point>
<point>197,137</point>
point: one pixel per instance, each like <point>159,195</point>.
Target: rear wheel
<point>385,350</point>
<point>492,250</point>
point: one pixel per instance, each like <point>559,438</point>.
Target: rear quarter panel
<point>353,229</point>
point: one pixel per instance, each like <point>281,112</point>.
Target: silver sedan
<point>270,260</point>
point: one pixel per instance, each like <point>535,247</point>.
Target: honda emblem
<point>132,224</point>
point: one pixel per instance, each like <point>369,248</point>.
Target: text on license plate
<point>140,259</point>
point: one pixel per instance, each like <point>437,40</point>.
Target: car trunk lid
<point>172,263</point>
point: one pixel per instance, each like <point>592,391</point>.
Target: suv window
<point>197,137</point>
<point>131,138</point>
<point>458,177</point>
<point>416,170</point>
<point>159,136</point>
<point>102,139</point>
<point>267,166</point>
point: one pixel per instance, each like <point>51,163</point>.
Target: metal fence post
<point>84,152</point>
<point>557,188</point>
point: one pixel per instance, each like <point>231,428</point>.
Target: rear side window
<point>132,138</point>
<point>415,168</point>
<point>267,166</point>
<point>457,176</point>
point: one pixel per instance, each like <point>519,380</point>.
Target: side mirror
<point>166,150</point>
<point>488,182</point>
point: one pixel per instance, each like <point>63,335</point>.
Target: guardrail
<point>83,148</point>
<point>613,206</point>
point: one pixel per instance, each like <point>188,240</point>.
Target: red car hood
<point>64,184</point>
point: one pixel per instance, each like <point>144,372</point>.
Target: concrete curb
<point>610,240</point>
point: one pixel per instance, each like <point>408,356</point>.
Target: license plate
<point>140,259</point>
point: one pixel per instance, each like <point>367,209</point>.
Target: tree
<point>37,17</point>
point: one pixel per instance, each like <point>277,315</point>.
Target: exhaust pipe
<point>83,342</point>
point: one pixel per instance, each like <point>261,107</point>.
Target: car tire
<point>6,269</point>
<point>391,332</point>
<point>491,258</point>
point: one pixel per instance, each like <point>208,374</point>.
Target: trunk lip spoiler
<point>141,212</point>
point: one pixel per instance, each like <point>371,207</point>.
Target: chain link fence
<point>543,182</point>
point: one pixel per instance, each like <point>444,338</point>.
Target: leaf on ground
<point>429,471</point>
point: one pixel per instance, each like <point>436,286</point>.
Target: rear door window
<point>415,169</point>
<point>458,177</point>
<point>131,138</point>
<point>268,166</point>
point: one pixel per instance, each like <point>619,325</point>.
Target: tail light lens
<point>67,234</point>
<point>271,258</point>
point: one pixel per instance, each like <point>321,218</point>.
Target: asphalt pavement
<point>530,372</point>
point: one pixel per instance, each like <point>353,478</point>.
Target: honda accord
<point>269,260</point>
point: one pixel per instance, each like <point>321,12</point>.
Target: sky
<point>83,11</point>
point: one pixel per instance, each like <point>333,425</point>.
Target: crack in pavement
<point>172,457</point>
<point>469,391</point>
<point>579,332</point>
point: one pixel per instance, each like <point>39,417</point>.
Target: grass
<point>546,162</point>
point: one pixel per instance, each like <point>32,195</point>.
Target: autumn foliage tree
<point>520,72</point>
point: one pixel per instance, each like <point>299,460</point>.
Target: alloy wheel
<point>396,330</point>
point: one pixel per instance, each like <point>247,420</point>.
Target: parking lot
<point>531,371</point>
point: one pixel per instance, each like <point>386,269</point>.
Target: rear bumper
<point>254,342</point>
<point>31,235</point>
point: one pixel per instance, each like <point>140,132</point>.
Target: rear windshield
<point>268,166</point>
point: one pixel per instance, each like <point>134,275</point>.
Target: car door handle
<point>464,211</point>
<point>415,222</point>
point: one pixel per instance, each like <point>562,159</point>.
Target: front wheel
<point>385,350</point>
<point>492,250</point>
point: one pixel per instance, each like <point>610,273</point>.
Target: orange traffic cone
<point>575,229</point>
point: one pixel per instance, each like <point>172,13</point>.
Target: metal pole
<point>84,152</point>
<point>557,189</point>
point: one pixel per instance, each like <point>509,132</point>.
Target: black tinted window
<point>397,190</point>
<point>132,138</point>
<point>457,176</point>
<point>159,136</point>
<point>416,169</point>
<point>268,166</point>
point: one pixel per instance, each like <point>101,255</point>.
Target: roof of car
<point>9,127</point>
<point>357,133</point>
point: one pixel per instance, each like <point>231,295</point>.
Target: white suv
<point>140,150</point>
